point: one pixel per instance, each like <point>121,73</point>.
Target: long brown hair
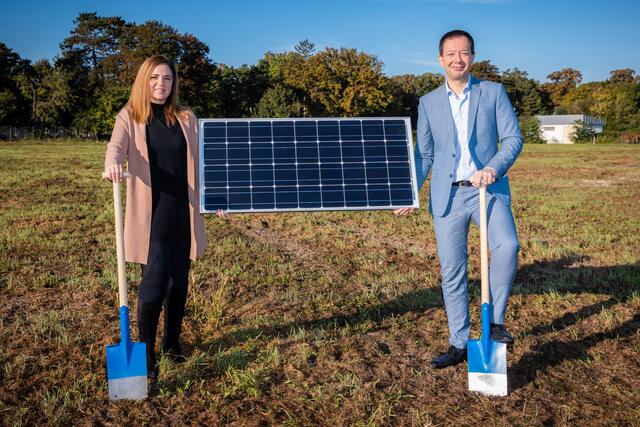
<point>140,98</point>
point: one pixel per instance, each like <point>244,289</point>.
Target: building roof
<point>569,119</point>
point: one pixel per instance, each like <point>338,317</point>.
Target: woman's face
<point>160,83</point>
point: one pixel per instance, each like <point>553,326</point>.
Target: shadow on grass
<point>412,302</point>
<point>555,352</point>
<point>572,318</point>
<point>558,277</point>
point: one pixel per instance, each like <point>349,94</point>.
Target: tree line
<point>89,81</point>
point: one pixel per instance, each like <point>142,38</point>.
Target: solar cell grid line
<point>306,164</point>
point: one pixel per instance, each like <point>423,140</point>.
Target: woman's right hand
<point>114,173</point>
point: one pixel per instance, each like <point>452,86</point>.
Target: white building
<point>557,129</point>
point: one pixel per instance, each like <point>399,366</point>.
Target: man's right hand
<point>114,173</point>
<point>403,211</point>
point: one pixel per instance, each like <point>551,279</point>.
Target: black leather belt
<point>462,184</point>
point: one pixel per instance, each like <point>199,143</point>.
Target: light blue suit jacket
<point>491,121</point>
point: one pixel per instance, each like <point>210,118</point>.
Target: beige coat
<point>129,142</point>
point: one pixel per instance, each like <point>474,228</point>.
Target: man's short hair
<point>457,33</point>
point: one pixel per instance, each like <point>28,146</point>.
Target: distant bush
<point>608,137</point>
<point>581,133</point>
<point>531,130</point>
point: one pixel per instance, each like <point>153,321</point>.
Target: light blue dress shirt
<point>465,168</point>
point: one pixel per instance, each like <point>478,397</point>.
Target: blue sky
<point>536,36</point>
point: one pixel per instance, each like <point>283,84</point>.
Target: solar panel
<point>307,164</point>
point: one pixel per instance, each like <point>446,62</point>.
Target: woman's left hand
<point>223,214</point>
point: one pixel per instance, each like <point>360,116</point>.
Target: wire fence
<point>15,133</point>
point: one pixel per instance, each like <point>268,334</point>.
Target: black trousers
<point>165,279</point>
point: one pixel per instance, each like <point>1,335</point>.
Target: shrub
<point>581,133</point>
<point>630,138</point>
<point>531,131</point>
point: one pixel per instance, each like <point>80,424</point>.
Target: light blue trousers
<point>452,232</point>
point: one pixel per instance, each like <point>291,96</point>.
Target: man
<point>460,125</point>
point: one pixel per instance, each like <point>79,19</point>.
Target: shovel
<point>487,359</point>
<point>126,361</point>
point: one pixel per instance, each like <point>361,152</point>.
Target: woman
<point>163,228</point>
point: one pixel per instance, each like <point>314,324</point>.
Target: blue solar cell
<point>238,132</point>
<point>260,132</point>
<point>286,197</point>
<point>350,130</point>
<point>261,153</point>
<point>286,175</point>
<point>263,176</point>
<point>306,164</point>
<point>283,131</point>
<point>330,152</point>
<point>306,131</point>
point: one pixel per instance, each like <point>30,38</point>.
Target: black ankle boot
<point>148,316</point>
<point>173,315</point>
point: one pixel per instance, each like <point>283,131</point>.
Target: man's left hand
<point>483,178</point>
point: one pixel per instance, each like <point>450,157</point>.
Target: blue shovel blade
<point>487,372</point>
<point>127,359</point>
<point>127,370</point>
<point>487,361</point>
<point>127,365</point>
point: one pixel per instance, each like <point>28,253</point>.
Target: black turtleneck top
<point>167,148</point>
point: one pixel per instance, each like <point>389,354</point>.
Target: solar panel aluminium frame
<point>410,151</point>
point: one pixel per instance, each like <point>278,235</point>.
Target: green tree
<point>87,60</point>
<point>625,114</point>
<point>579,99</point>
<point>603,98</point>
<point>287,71</point>
<point>346,82</point>
<point>404,98</point>
<point>105,52</point>
<point>279,101</point>
<point>427,82</point>
<point>195,70</point>
<point>581,133</point>
<point>523,92</point>
<point>485,70</point>
<point>53,95</point>
<point>305,48</point>
<point>531,130</point>
<point>407,89</point>
<point>237,91</point>
<point>14,107</point>
<point>92,45</point>
<point>560,83</point>
<point>103,116</point>
<point>625,75</point>
<point>8,105</point>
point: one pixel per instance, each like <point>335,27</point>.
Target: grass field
<point>324,318</point>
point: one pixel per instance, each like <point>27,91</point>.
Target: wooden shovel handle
<point>122,272</point>
<point>484,249</point>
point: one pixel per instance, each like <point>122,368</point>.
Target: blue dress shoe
<point>500,334</point>
<point>453,356</point>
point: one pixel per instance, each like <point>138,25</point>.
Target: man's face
<point>456,58</point>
